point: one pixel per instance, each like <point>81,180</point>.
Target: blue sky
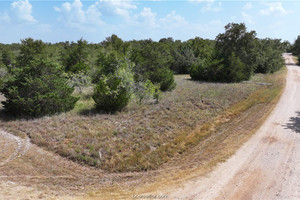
<point>61,20</point>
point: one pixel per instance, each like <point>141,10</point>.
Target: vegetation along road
<point>268,165</point>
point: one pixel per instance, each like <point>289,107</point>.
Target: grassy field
<point>144,137</point>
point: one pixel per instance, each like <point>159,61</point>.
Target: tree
<point>114,81</point>
<point>164,78</point>
<point>269,55</point>
<point>236,39</point>
<point>113,91</point>
<point>114,43</point>
<point>151,59</point>
<point>184,59</point>
<point>286,46</point>
<point>74,57</point>
<point>296,48</point>
<point>107,63</point>
<point>37,87</point>
<point>8,59</point>
<point>202,48</point>
<point>211,70</point>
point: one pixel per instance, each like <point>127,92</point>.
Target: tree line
<point>38,78</point>
<point>295,48</point>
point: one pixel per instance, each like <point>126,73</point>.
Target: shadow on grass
<point>4,116</point>
<point>294,123</point>
<point>89,112</point>
<point>93,112</point>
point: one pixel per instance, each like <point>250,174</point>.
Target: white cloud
<point>248,18</point>
<point>248,6</point>
<point>274,8</point>
<point>74,12</point>
<point>93,15</point>
<point>149,17</point>
<point>173,20</point>
<point>147,20</point>
<point>121,7</point>
<point>200,1</point>
<point>73,15</point>
<point>22,10</point>
<point>216,22</point>
<point>210,7</point>
<point>116,7</point>
<point>4,18</point>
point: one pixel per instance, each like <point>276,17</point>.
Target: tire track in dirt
<point>22,146</point>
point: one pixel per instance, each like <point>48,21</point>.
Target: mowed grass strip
<point>143,137</point>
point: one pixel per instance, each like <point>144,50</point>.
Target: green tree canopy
<point>37,87</point>
<point>74,56</point>
<point>151,59</point>
<point>242,43</point>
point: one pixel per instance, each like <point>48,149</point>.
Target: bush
<point>236,70</point>
<point>208,70</point>
<point>146,91</point>
<point>237,48</point>
<point>219,71</point>
<point>270,56</point>
<point>79,81</point>
<point>164,77</point>
<point>107,63</point>
<point>113,91</point>
<point>74,56</point>
<point>36,87</point>
<point>199,71</point>
<point>153,61</point>
<point>38,90</point>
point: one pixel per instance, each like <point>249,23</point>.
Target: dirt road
<point>268,165</point>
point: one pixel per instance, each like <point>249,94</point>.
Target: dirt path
<point>29,172</point>
<point>268,165</point>
<point>12,146</point>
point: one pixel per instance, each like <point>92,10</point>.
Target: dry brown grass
<point>144,137</point>
<point>225,134</point>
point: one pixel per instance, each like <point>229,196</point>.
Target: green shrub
<point>199,71</point>
<point>74,56</point>
<point>235,71</point>
<point>208,70</point>
<point>36,87</point>
<point>78,67</point>
<point>38,90</point>
<point>164,77</point>
<point>108,63</point>
<point>79,81</point>
<point>219,71</point>
<point>147,91</point>
<point>113,91</point>
<point>153,61</point>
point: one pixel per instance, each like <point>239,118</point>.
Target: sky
<point>70,20</point>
